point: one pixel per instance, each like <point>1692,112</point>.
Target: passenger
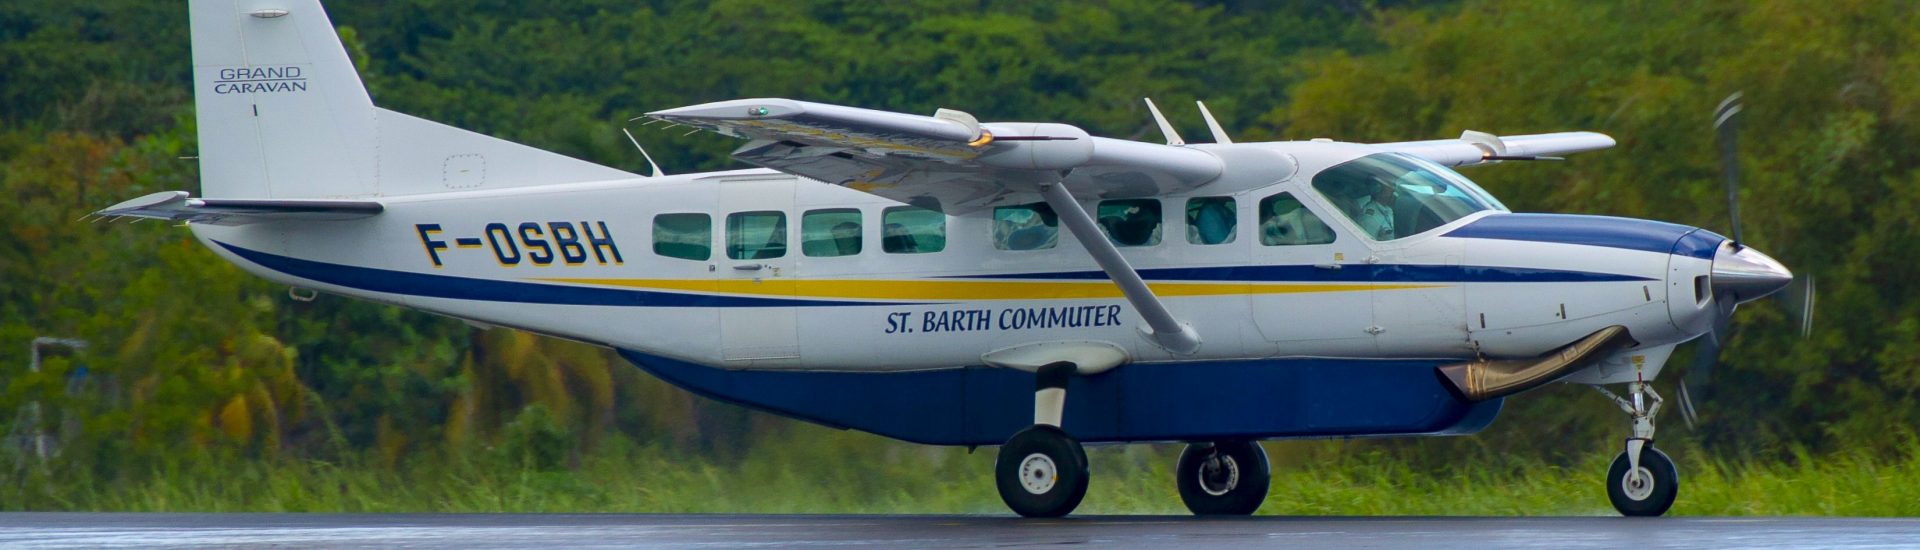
<point>1210,222</point>
<point>1038,231</point>
<point>1290,223</point>
<point>846,238</point>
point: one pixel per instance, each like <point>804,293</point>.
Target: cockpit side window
<point>1031,226</point>
<point>1392,195</point>
<point>1286,222</point>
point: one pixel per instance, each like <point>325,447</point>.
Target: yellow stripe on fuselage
<point>920,289</point>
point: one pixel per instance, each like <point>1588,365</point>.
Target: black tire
<point>1041,451</point>
<point>1651,501</point>
<point>1234,485</point>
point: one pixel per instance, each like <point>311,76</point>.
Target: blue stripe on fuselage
<point>1383,273</point>
<point>467,288</point>
<point>1606,231</point>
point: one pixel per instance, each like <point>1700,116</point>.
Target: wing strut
<point>1161,327</point>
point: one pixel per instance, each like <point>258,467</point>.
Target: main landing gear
<point>1042,472</point>
<point>1642,480</point>
<point>1223,479</point>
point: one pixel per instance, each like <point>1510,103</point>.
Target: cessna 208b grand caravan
<point>949,282</point>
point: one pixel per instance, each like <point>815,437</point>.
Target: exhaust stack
<point>1487,379</point>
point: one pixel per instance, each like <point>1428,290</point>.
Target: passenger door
<point>756,265</point>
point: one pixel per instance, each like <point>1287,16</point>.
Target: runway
<point>76,530</point>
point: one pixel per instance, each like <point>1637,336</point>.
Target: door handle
<point>749,267</point>
<point>1328,266</point>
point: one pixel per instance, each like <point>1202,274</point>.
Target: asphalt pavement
<point>80,530</point>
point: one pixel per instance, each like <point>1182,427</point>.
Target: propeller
<point>1745,275</point>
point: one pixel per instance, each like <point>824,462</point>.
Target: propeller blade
<point>1799,301</point>
<point>1724,123</point>
<point>1687,411</point>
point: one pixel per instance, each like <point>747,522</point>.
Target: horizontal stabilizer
<point>1479,147</point>
<point>178,206</point>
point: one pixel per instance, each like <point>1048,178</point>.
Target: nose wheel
<point>1642,480</point>
<point>1644,490</point>
<point>1228,478</point>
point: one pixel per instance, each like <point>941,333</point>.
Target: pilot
<point>1376,211</point>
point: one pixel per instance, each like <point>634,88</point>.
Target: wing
<point>948,162</point>
<point>177,206</point>
<point>1480,147</point>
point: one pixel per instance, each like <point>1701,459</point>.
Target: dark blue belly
<point>1142,402</point>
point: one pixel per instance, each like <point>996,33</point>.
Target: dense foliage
<point>193,360</point>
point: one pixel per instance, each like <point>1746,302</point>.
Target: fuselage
<point>584,262</point>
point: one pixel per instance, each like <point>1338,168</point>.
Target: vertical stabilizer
<point>283,114</point>
<point>281,111</point>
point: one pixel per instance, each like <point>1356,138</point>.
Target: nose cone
<point>1745,274</point>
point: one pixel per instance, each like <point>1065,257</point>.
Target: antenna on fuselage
<point>1219,134</point>
<point>643,153</point>
<point>1166,128</point>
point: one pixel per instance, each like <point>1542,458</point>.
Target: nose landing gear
<point>1642,480</point>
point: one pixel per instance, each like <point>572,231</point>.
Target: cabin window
<point>828,233</point>
<point>1130,222</point>
<point>1030,226</point>
<point>912,230</point>
<point>683,236</point>
<point>756,235</point>
<point>1211,220</point>
<point>1286,222</point>
<point>1392,195</point>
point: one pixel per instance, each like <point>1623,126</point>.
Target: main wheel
<point>1651,488</point>
<point>1224,479</point>
<point>1041,473</point>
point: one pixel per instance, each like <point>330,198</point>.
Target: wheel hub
<point>1038,474</point>
<point>1219,476</point>
<point>1637,484</point>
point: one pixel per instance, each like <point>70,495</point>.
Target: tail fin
<point>283,114</point>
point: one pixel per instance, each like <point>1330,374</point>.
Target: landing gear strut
<point>1642,480</point>
<point>1041,471</point>
<point>1228,478</point>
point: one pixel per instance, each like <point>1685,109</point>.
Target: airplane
<point>946,281</point>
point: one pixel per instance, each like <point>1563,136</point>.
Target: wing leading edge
<point>1480,147</point>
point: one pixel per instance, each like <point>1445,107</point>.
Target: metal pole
<point>33,409</point>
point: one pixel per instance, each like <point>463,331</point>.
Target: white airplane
<point>949,282</point>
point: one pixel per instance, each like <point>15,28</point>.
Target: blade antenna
<point>1724,122</point>
<point>643,153</point>
<point>1166,128</point>
<point>1219,134</point>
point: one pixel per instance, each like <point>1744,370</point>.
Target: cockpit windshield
<point>1394,195</point>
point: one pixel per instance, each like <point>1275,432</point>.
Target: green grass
<point>819,471</point>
